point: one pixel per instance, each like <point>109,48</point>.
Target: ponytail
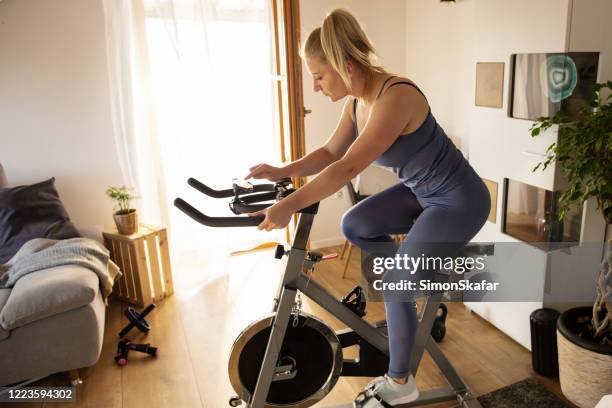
<point>339,39</point>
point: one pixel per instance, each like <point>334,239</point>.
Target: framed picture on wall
<point>489,84</point>
<point>543,84</point>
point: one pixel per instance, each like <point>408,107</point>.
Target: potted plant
<point>584,334</point>
<point>125,217</point>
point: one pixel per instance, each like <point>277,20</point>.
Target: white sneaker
<point>384,392</point>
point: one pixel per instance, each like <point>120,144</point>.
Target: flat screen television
<point>531,214</point>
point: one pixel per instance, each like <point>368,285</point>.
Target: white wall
<point>54,107</point>
<point>384,24</point>
<point>590,30</point>
<point>439,49</point>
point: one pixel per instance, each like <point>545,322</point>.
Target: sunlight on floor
<point>243,275</point>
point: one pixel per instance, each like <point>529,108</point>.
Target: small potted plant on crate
<point>125,217</point>
<point>584,334</point>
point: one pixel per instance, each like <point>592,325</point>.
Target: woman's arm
<point>335,147</point>
<point>310,164</point>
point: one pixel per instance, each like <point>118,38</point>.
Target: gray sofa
<point>50,321</point>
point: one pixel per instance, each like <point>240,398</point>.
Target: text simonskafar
<point>428,285</point>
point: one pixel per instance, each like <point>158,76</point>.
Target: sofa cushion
<point>4,294</point>
<point>3,180</point>
<point>46,293</point>
<point>28,212</point>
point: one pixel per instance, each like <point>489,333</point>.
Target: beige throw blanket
<point>42,253</point>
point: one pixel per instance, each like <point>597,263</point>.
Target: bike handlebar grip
<point>216,221</point>
<point>204,189</point>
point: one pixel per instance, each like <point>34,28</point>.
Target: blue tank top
<point>425,160</point>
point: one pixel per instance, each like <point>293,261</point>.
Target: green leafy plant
<point>123,198</point>
<point>584,152</point>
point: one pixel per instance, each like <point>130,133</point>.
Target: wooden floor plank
<point>164,381</point>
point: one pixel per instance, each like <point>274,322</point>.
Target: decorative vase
<point>127,223</point>
<point>585,366</point>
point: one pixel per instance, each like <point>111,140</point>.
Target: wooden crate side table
<point>144,260</point>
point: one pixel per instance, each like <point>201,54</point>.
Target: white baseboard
<point>328,242</point>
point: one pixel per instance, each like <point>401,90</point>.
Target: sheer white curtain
<point>192,96</point>
<point>132,108</point>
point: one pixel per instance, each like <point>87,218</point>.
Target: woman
<point>386,120</point>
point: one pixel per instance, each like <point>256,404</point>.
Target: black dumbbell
<point>137,320</point>
<point>125,346</point>
<point>438,330</point>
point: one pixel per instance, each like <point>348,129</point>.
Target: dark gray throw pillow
<point>28,212</point>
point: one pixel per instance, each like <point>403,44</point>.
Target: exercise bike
<point>293,359</point>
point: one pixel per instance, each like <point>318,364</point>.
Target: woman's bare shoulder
<point>399,79</point>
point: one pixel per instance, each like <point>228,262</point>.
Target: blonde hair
<point>339,38</point>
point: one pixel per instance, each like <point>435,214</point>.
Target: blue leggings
<point>453,218</point>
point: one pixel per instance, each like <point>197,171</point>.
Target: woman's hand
<point>265,171</point>
<point>277,217</point>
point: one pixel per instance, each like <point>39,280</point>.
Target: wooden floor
<point>195,328</point>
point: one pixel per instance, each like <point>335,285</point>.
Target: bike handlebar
<point>216,221</point>
<point>244,202</point>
